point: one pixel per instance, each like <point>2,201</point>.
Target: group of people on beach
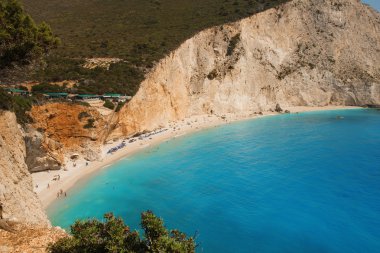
<point>57,177</point>
<point>60,193</point>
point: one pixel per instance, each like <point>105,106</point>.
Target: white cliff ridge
<point>302,53</point>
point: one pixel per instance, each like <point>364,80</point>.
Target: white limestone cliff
<point>18,201</point>
<point>301,53</point>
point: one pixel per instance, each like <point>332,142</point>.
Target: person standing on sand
<point>48,186</point>
<point>65,195</point>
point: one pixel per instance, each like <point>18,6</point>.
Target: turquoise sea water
<point>305,182</point>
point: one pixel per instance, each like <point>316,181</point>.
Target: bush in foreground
<point>113,235</point>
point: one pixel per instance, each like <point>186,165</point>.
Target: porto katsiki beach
<point>200,126</point>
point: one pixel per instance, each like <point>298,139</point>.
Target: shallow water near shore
<point>307,182</point>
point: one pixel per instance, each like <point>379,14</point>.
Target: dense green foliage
<point>6,101</point>
<point>45,87</point>
<point>108,104</point>
<point>21,106</point>
<point>113,235</point>
<point>18,104</point>
<point>138,31</point>
<point>120,78</point>
<point>21,40</point>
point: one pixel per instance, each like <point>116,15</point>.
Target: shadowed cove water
<point>292,183</point>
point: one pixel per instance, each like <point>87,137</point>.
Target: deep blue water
<point>305,182</point>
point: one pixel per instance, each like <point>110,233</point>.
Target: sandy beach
<point>47,188</point>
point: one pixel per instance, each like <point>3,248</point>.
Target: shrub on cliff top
<point>108,104</point>
<point>113,235</point>
<point>5,100</point>
<point>119,106</point>
<point>18,104</point>
<point>46,87</point>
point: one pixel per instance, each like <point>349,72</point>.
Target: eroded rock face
<point>18,202</point>
<point>60,129</point>
<point>302,53</point>
<point>42,153</point>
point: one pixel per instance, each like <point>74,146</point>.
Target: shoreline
<point>71,175</point>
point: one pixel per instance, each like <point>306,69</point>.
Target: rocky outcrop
<point>42,153</point>
<point>18,202</point>
<point>29,239</point>
<point>61,129</point>
<point>302,53</point>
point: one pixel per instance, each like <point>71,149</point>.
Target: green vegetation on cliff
<point>140,32</point>
<point>108,104</point>
<point>21,40</point>
<point>20,105</point>
<point>113,235</point>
